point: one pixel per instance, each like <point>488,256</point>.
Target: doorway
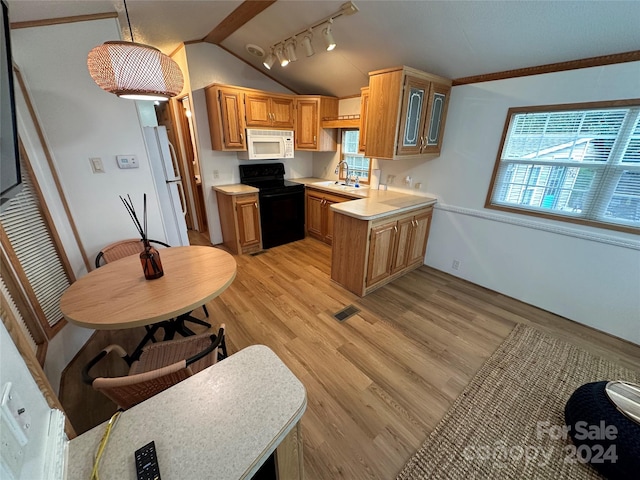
<point>182,136</point>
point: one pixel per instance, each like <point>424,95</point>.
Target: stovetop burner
<point>267,177</point>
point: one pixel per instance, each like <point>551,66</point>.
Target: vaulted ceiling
<point>453,39</point>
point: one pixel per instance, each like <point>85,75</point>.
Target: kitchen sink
<point>341,187</point>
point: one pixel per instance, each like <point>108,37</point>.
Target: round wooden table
<point>117,295</point>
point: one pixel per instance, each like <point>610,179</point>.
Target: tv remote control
<point>147,462</point>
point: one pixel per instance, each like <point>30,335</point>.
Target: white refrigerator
<point>166,176</point>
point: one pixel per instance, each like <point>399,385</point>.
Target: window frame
<point>549,214</point>
<point>342,173</point>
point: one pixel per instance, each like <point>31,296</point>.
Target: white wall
<point>209,64</point>
<point>589,275</point>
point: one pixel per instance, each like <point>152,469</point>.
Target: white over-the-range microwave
<point>268,144</point>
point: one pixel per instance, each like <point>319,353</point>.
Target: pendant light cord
<point>126,10</point>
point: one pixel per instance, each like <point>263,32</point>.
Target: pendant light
<point>134,70</point>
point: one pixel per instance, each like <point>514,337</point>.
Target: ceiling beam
<point>236,19</point>
<point>632,56</point>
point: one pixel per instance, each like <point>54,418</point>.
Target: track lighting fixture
<point>290,47</point>
<point>284,61</point>
<point>285,50</point>
<point>306,43</point>
<point>269,60</point>
<point>328,36</point>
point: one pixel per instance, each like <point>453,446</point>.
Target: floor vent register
<point>345,313</point>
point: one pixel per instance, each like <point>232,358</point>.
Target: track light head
<point>291,50</point>
<point>269,60</point>
<point>328,36</point>
<point>306,43</point>
<point>284,61</point>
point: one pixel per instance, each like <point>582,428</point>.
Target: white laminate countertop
<point>381,203</point>
<point>235,189</point>
<point>369,204</point>
<point>222,423</point>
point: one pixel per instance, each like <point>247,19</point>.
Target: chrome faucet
<point>337,172</point>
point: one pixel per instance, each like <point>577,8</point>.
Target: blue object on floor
<point>603,436</point>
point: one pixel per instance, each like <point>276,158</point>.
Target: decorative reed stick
<point>132,213</point>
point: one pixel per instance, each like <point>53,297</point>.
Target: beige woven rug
<point>507,424</point>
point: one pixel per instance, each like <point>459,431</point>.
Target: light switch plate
<point>96,165</point>
<point>127,161</point>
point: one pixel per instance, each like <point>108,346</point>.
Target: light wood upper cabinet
<point>406,113</point>
<point>271,111</point>
<point>364,108</point>
<point>309,112</point>
<point>226,118</point>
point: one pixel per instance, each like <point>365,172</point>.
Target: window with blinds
<point>30,241</point>
<point>579,163</point>
<point>359,165</point>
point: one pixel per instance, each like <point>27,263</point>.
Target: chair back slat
<point>122,249</point>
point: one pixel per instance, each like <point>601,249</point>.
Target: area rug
<point>509,421</point>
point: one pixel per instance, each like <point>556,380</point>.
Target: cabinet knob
<point>395,229</point>
<point>255,204</point>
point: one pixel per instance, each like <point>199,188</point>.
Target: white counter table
<point>222,423</point>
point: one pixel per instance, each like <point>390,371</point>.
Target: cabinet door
<point>282,112</point>
<point>328,216</point>
<point>248,220</point>
<point>258,110</point>
<point>314,215</point>
<point>306,136</point>
<point>402,244</point>
<point>436,115</point>
<point>232,119</point>
<point>364,107</point>
<point>380,252</point>
<point>412,118</point>
<point>419,236</point>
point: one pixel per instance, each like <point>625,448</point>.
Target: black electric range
<point>281,203</point>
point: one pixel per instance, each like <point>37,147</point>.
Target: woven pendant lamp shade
<point>135,71</point>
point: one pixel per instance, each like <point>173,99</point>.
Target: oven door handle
<point>282,194</point>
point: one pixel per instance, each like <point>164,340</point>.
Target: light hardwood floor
<point>380,381</point>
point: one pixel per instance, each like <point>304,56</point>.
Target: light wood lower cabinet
<point>368,254</point>
<point>319,216</point>
<point>240,222</point>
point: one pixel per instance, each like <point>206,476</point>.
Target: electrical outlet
<point>456,264</point>
<point>418,186</point>
<point>216,174</point>
<point>390,179</point>
<point>408,181</point>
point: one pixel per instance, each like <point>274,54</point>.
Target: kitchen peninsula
<point>377,235</point>
<point>222,423</point>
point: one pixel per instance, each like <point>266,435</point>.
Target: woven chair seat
<point>160,366</point>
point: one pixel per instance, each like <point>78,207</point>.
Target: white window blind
<point>580,164</point>
<point>30,237</point>
<point>7,301</point>
<point>358,163</point>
